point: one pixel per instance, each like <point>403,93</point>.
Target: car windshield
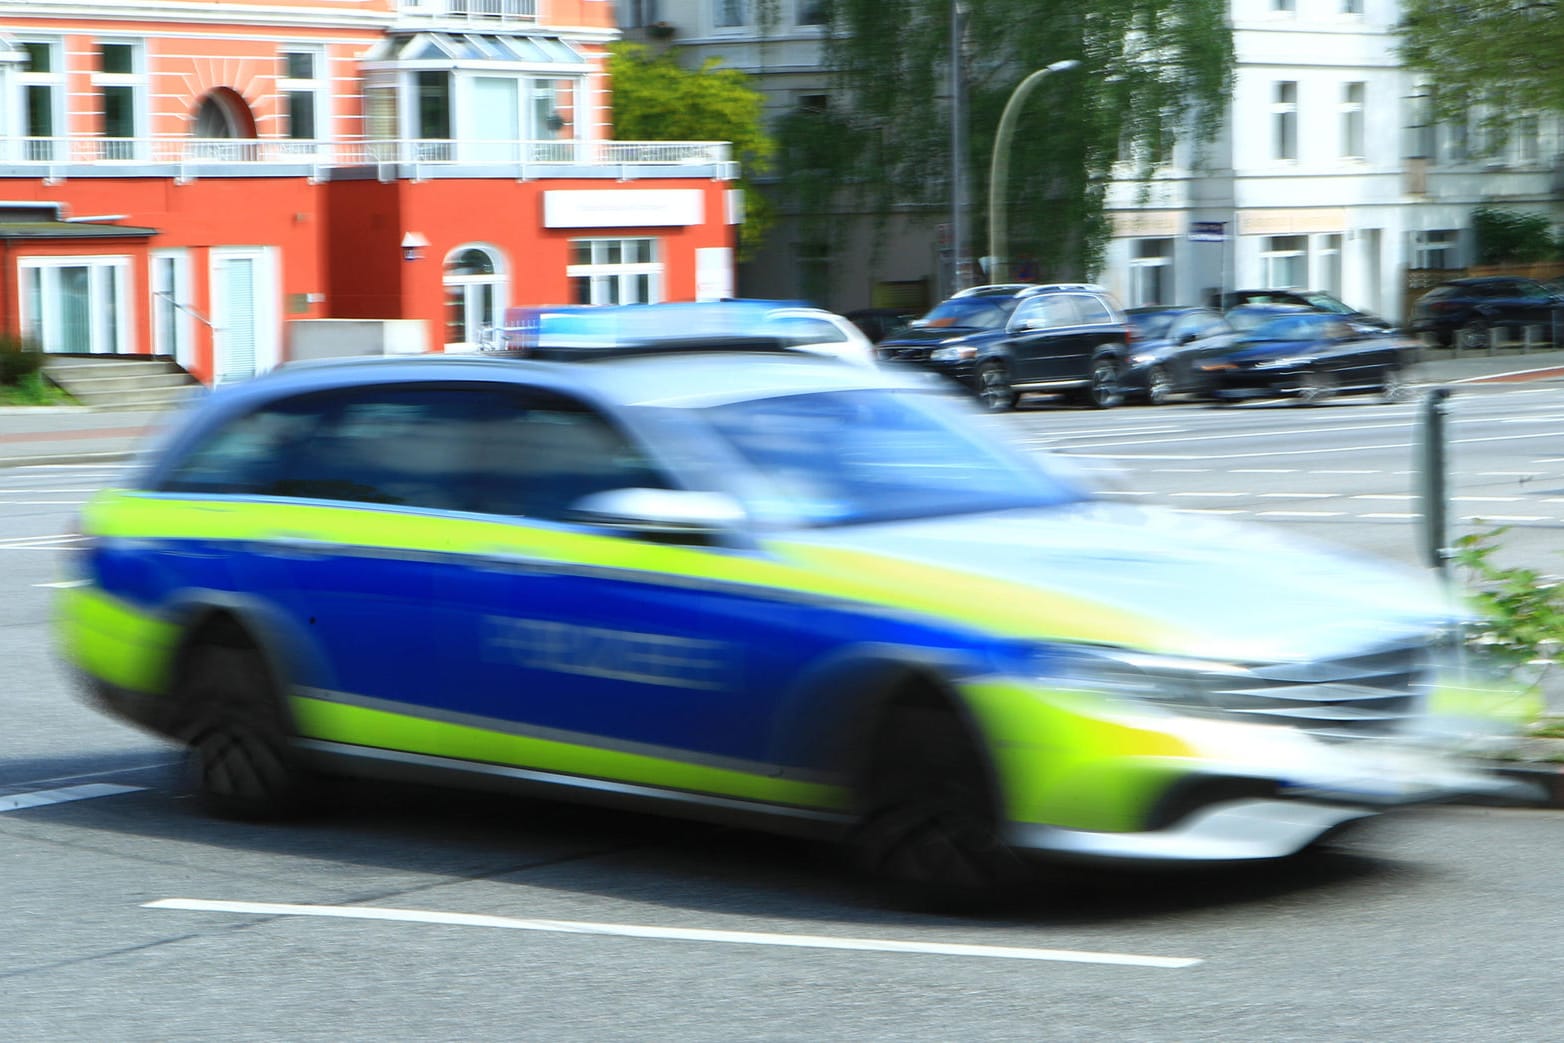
<point>1292,327</point>
<point>856,456</point>
<point>1151,325</point>
<point>984,313</point>
<point>1325,302</point>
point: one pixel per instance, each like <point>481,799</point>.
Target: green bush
<point>19,360</point>
<point>1523,609</point>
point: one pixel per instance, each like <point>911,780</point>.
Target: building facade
<point>200,180</point>
<point>1330,172</point>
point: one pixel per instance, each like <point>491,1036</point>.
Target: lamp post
<point>958,151</point>
<point>999,170</point>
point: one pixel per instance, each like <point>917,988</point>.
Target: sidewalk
<point>77,435</point>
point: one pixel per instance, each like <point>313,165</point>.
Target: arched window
<point>223,116</point>
<point>474,295</point>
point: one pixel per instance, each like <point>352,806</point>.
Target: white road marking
<point>1344,471</point>
<point>41,503</point>
<point>1488,499</point>
<point>1484,518</point>
<point>1297,496</point>
<point>685,934</point>
<point>65,584</point>
<point>1396,517</point>
<point>64,795</point>
<point>1384,496</point>
<point>1262,470</point>
<point>1208,494</point>
<point>1301,514</point>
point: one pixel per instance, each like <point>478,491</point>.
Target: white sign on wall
<point>623,208</point>
<point>713,273</point>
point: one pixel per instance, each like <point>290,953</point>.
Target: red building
<point>189,179</point>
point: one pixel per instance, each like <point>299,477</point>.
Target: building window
<point>76,303</point>
<point>1353,140</point>
<point>813,12</point>
<point>302,88</point>
<point>120,83</point>
<point>474,296</point>
<point>1352,7</point>
<point>1526,134</point>
<point>434,115</point>
<point>637,14</point>
<point>730,14</point>
<point>1285,261</point>
<point>1420,123</point>
<point>1328,264</point>
<point>1150,261</point>
<point>1437,248</point>
<point>615,271</point>
<point>41,78</point>
<point>1284,6</point>
<point>1284,120</point>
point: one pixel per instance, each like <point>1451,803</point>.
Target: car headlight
<point>1141,360</point>
<point>954,353</point>
<point>1173,683</point>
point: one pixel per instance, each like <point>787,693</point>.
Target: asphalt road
<point>413,914</point>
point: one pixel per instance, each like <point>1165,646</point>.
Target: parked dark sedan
<point>1169,344</point>
<point>1318,300</point>
<point>1465,313</point>
<point>1310,356</point>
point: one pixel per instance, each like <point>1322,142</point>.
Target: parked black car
<point>1002,342</point>
<point>1169,342</point>
<point>1311,356</point>
<point>1465,312</point>
<point>1319,300</point>
<point>879,323</point>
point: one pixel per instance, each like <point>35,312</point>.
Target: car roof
<point>675,374</point>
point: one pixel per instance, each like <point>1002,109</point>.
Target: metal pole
<point>958,152</point>
<point>999,171</point>
<point>1431,479</point>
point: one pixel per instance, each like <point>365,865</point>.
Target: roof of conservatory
<point>460,48</point>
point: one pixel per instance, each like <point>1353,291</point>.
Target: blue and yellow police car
<point>756,586</point>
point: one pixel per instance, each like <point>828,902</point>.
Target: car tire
<point>993,388</point>
<point>928,836</point>
<point>1316,387</point>
<point>235,733</point>
<point>1474,335</point>
<point>1159,386</point>
<point>1103,390</point>
<point>1394,386</point>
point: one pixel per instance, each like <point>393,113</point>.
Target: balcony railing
<point>427,157</point>
<point>481,11</point>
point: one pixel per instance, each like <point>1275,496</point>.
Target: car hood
<point>1146,578</point>
<point>926,335</point>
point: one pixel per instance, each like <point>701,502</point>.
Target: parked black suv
<point>1002,342</point>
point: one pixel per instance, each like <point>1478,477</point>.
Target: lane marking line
<point>65,584</point>
<point>686,934</point>
<point>1296,496</point>
<point>64,795</point>
<point>1302,514</point>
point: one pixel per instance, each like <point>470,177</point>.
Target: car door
<point>1045,340</point>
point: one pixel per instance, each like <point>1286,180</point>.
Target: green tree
<point>1509,237</point>
<point>1506,56</point>
<point>655,99</point>
<point>1149,71</point>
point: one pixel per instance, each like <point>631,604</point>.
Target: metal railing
<point>480,11</point>
<point>431,156</point>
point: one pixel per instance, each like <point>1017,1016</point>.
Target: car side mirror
<point>671,514</point>
<point>1189,337</point>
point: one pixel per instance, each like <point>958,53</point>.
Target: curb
<point>68,459</point>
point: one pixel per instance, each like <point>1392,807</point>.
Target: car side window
<point>1052,312</point>
<point>1091,310</point>
<point>542,460</point>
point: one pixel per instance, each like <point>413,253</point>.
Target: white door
<point>496,114</point>
<point>244,315</point>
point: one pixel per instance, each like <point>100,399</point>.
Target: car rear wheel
<point>235,733</point>
<point>1475,335</point>
<point>1103,389</point>
<point>1316,387</point>
<point>1159,386</point>
<point>929,834</point>
<point>994,390</point>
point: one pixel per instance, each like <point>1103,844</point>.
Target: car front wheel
<point>1159,386</point>
<point>1316,387</point>
<point>929,832</point>
<point>1475,335</point>
<point>1394,386</point>
<point>994,390</point>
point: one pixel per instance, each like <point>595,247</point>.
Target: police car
<point>756,586</point>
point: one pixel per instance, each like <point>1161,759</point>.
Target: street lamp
<point>958,151</point>
<point>999,170</point>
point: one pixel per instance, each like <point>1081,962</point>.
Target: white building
<point>1329,173</point>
